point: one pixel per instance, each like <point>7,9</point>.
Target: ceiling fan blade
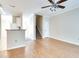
<point>51,1</point>
<point>59,6</point>
<point>46,6</point>
<point>61,1</point>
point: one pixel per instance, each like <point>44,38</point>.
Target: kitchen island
<point>15,38</point>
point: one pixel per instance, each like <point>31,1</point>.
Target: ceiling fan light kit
<point>53,9</point>
<point>54,5</point>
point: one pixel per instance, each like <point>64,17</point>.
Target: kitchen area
<point>12,33</point>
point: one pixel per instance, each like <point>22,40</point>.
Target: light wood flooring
<point>43,48</point>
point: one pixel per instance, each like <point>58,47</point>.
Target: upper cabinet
<point>17,21</point>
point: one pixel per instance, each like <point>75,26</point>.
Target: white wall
<point>66,26</point>
<point>0,32</point>
<point>45,26</point>
<point>6,21</point>
<point>0,27</point>
<point>29,25</point>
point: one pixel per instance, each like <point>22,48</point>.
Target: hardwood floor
<point>44,48</point>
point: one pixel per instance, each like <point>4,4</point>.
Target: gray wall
<point>66,26</point>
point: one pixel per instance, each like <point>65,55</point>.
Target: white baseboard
<point>13,47</point>
<point>61,39</point>
<point>64,40</point>
<point>19,46</point>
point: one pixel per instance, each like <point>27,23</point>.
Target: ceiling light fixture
<point>53,7</point>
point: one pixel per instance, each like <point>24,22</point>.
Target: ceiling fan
<point>55,5</point>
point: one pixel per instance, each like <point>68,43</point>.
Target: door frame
<point>36,24</point>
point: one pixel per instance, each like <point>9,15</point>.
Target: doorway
<point>39,25</point>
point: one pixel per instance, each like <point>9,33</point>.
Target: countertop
<point>15,29</point>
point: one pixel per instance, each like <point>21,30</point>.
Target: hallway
<point>44,48</point>
<point>38,35</point>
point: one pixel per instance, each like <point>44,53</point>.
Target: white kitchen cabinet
<point>15,38</point>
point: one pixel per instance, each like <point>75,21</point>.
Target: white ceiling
<point>34,6</point>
